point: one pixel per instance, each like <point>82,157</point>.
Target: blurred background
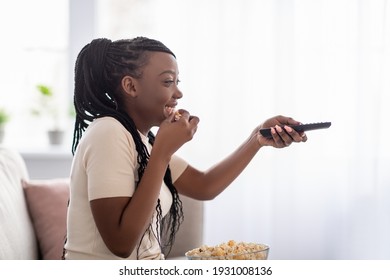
<point>241,62</point>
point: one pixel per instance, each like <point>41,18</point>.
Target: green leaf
<point>45,90</point>
<point>4,117</point>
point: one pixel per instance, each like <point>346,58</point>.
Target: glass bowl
<point>230,250</point>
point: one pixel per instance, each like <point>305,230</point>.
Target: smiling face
<point>148,97</point>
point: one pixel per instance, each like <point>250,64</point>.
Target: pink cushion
<point>47,202</point>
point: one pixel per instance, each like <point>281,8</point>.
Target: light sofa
<point>33,214</point>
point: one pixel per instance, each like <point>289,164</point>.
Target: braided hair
<point>99,69</point>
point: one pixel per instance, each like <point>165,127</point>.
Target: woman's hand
<point>177,129</point>
<point>282,134</point>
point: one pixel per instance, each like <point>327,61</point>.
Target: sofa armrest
<point>190,234</point>
<point>17,237</point>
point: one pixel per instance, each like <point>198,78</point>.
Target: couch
<point>33,214</point>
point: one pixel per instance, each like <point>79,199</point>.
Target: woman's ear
<point>128,85</point>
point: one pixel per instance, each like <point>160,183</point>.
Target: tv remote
<point>266,132</point>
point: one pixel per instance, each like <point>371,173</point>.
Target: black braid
<point>171,222</point>
<point>99,68</point>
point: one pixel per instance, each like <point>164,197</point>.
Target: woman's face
<point>156,90</point>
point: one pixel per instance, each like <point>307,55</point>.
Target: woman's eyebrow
<point>168,72</point>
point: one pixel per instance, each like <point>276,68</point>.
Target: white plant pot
<point>56,137</point>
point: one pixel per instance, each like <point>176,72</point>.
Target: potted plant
<point>47,107</point>
<point>4,118</point>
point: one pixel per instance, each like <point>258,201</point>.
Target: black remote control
<point>266,132</point>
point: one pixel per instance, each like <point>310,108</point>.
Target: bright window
<point>34,51</point>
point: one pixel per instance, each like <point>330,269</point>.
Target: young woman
<point>125,181</point>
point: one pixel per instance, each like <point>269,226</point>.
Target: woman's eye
<point>171,82</point>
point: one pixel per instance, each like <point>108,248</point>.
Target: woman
<point>124,193</point>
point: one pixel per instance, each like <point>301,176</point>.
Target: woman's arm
<point>122,221</point>
<point>207,185</point>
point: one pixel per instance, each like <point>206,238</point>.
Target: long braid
<point>171,222</point>
<point>99,69</point>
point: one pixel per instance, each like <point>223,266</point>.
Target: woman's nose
<point>178,94</point>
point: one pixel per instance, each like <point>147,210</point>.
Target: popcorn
<point>177,116</point>
<point>230,250</point>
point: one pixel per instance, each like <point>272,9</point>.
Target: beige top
<point>105,165</point>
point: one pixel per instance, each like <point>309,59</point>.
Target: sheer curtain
<point>242,62</point>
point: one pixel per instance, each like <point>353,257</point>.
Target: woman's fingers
<point>283,137</point>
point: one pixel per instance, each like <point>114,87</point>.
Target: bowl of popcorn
<point>230,250</point>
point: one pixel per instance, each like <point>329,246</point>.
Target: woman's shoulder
<point>109,122</point>
<point>105,133</point>
<point>104,126</point>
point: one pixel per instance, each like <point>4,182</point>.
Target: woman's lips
<point>169,109</point>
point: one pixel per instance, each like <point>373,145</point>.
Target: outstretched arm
<point>208,184</point>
